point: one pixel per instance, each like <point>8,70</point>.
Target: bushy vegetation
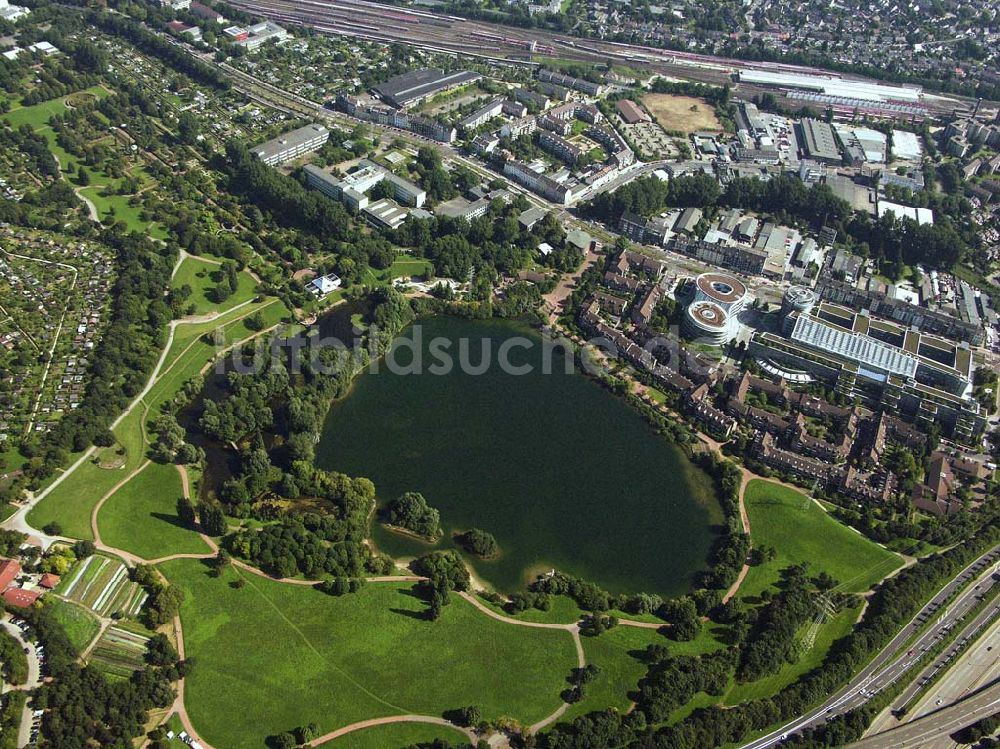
<point>479,542</point>
<point>83,708</point>
<point>411,512</point>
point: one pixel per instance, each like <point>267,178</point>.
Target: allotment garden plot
<point>53,301</point>
<point>102,584</point>
<point>119,652</point>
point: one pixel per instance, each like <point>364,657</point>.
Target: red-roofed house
<point>49,580</point>
<point>9,570</point>
<point>20,597</point>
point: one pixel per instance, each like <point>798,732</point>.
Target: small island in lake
<point>410,513</point>
<point>479,542</point>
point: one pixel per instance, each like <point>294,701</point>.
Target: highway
<point>899,656</point>
<point>965,674</point>
<point>919,733</point>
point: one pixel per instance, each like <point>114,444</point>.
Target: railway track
<point>376,22</point>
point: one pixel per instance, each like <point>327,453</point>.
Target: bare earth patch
<point>681,113</point>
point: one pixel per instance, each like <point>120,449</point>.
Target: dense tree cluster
<point>479,542</point>
<point>444,569</point>
<point>311,545</point>
<point>13,661</point>
<point>771,642</point>
<point>788,199</point>
<point>411,512</point>
<point>175,57</point>
<point>11,541</point>
<point>164,601</point>
<point>83,708</point>
<point>673,681</point>
<point>41,162</point>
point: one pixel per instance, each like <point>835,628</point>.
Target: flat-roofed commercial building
<point>899,311</point>
<point>411,88</point>
<point>819,142</point>
<point>385,214</point>
<point>261,33</point>
<point>291,145</point>
<point>898,369</point>
<point>352,189</point>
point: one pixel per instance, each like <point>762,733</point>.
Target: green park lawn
<point>37,115</point>
<point>398,736</point>
<point>80,624</point>
<point>71,502</point>
<point>799,530</point>
<point>113,208</point>
<point>564,610</point>
<point>141,517</point>
<point>198,274</point>
<point>334,661</point>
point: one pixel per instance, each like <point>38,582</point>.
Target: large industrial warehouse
<point>412,88</point>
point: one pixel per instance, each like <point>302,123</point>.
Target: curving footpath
<point>388,720</point>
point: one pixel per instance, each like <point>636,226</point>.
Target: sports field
<point>141,517</point>
<point>335,661</point>
<point>684,114</point>
<point>799,530</point>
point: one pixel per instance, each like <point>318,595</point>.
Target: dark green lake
<point>564,474</point>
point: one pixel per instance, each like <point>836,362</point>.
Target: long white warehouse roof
<point>832,86</point>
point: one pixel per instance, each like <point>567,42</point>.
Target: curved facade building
<point>721,289</point>
<point>798,299</point>
<point>706,321</point>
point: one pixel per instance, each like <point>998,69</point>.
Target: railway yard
<point>443,33</point>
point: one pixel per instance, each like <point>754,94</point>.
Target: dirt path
<point>361,725</point>
<point>748,476</point>
<point>178,706</point>
<point>100,503</point>
<point>567,284</point>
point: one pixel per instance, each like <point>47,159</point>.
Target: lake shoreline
<point>488,398</point>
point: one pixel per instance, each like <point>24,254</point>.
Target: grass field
<point>198,274</point>
<point>398,736</point>
<point>684,114</point>
<point>37,115</point>
<point>616,653</point>
<point>80,624</point>
<point>404,266</point>
<point>335,661</point>
<point>70,504</point>
<point>112,208</point>
<point>141,517</point>
<point>800,530</point>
